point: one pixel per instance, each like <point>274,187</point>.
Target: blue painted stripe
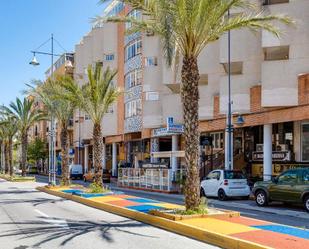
<point>143,208</point>
<point>71,191</point>
<point>300,233</point>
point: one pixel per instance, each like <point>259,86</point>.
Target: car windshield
<point>229,174</point>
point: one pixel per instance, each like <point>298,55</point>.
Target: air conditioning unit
<point>259,147</point>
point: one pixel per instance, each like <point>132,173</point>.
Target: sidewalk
<point>220,230</point>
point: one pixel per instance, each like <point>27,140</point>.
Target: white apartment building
<point>270,93</point>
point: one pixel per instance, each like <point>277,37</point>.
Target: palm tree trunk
<point>65,178</point>
<point>190,96</point>
<point>6,158</point>
<point>24,146</point>
<point>10,154</point>
<point>98,153</point>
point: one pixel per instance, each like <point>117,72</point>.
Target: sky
<point>25,25</point>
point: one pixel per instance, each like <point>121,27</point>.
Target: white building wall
<point>279,78</point>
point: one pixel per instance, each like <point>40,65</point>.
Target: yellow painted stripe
<point>218,226</point>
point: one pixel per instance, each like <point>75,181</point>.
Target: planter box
<point>176,217</point>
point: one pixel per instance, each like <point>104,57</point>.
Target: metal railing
<point>154,179</point>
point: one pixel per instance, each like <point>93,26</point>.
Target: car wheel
<point>202,192</point>
<point>261,198</point>
<point>221,195</point>
<point>306,203</point>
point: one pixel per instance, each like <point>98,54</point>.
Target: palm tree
<point>8,129</point>
<point>61,108</point>
<point>188,26</point>
<point>94,98</point>
<point>25,115</point>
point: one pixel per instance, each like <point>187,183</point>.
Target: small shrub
<point>96,188</point>
<point>202,209</point>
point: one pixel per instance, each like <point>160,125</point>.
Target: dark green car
<point>292,186</point>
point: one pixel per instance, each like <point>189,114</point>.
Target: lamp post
<point>229,128</point>
<point>52,153</point>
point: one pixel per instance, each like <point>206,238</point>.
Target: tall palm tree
<point>8,129</point>
<point>61,108</point>
<point>25,114</point>
<point>188,26</point>
<point>94,98</point>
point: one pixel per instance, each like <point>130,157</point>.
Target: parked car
<point>89,176</point>
<point>292,186</point>
<point>224,184</point>
<point>76,171</point>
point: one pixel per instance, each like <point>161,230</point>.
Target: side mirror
<point>218,178</point>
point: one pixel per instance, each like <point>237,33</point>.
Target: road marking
<point>41,213</point>
<point>53,221</point>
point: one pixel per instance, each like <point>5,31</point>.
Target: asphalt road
<point>32,219</point>
<point>276,212</point>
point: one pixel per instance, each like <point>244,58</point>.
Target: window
<point>276,53</point>
<point>133,108</point>
<point>151,61</point>
<point>236,67</point>
<point>213,175</point>
<point>269,2</point>
<point>133,49</point>
<point>288,177</point>
<point>87,117</point>
<point>133,78</point>
<point>305,141</point>
<point>306,176</point>
<point>217,139</point>
<point>109,57</point>
<point>229,174</point>
<point>136,14</point>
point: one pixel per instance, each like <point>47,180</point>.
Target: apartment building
<point>270,82</point>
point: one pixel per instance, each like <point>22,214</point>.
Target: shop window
<point>276,53</point>
<point>305,141</point>
<point>236,67</point>
<point>269,2</point>
<point>217,139</point>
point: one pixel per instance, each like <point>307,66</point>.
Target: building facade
<point>270,82</point>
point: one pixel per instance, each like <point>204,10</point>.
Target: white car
<point>76,171</point>
<point>224,184</point>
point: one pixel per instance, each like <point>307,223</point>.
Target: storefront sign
<point>169,130</point>
<point>276,156</point>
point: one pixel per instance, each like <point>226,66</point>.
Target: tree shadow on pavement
<point>35,202</point>
<point>70,230</point>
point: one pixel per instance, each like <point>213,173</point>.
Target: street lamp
<point>34,61</point>
<point>52,153</point>
<point>229,127</point>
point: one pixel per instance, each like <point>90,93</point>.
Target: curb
<point>214,238</point>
